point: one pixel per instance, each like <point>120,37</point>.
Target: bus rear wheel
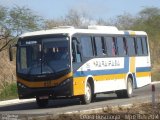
<point>128,92</point>
<point>42,102</point>
<point>87,97</point>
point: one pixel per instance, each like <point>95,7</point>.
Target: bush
<point>9,92</point>
<point>155,74</point>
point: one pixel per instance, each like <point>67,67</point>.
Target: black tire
<point>94,97</point>
<point>87,98</point>
<point>120,93</point>
<point>128,92</point>
<point>42,102</point>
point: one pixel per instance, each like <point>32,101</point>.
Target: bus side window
<point>120,46</point>
<point>108,42</point>
<point>98,45</point>
<point>114,47</point>
<point>135,46</point>
<point>125,46</point>
<point>144,43</point>
<point>104,49</point>
<point>87,48</point>
<point>130,44</point>
<point>76,50</point>
<point>139,46</point>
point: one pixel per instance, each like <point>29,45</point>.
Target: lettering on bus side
<point>88,65</point>
<point>109,63</point>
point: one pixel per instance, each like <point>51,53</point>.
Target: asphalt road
<point>141,95</point>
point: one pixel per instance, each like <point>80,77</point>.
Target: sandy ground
<point>144,111</point>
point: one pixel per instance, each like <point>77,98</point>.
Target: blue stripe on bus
<point>111,71</point>
<point>104,72</point>
<point>143,69</point>
<point>98,72</point>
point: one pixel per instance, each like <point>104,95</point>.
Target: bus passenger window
<point>98,44</point>
<point>76,50</point>
<point>135,46</point>
<point>120,46</point>
<point>114,49</point>
<point>145,48</point>
<point>108,41</point>
<point>130,44</point>
<point>139,46</point>
<point>104,50</point>
<point>86,43</point>
<point>125,46</point>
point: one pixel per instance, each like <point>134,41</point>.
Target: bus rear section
<point>104,63</point>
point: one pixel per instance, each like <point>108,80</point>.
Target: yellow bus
<point>68,62</point>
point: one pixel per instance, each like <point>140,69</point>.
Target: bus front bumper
<point>65,89</point>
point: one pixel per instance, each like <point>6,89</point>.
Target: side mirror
<point>10,53</point>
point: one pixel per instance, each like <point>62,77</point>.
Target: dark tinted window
<point>98,45</point>
<point>120,46</point>
<point>125,46</point>
<point>135,46</point>
<point>86,46</point>
<point>76,51</point>
<point>114,47</point>
<point>108,41</point>
<point>139,46</point>
<point>104,49</point>
<point>144,42</point>
<point>131,46</point>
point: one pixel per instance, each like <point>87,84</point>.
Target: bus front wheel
<point>87,97</point>
<point>41,102</point>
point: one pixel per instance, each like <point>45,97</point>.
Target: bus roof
<point>70,30</point>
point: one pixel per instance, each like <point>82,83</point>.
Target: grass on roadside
<point>155,75</point>
<point>9,92</point>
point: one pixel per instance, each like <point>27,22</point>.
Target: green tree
<point>72,18</point>
<point>14,22</point>
<point>124,22</point>
<point>149,20</point>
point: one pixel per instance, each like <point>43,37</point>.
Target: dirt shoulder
<point>144,111</point>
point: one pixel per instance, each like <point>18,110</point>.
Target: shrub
<point>9,92</point>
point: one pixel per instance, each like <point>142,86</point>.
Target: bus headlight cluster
<point>65,82</point>
<point>21,85</point>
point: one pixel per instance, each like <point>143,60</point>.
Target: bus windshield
<point>37,56</point>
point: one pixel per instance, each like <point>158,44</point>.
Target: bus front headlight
<point>66,82</point>
<point>21,85</point>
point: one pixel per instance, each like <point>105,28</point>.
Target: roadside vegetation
<point>9,91</point>
<point>155,74</point>
<point>143,111</point>
<point>17,20</point>
<point>137,112</point>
